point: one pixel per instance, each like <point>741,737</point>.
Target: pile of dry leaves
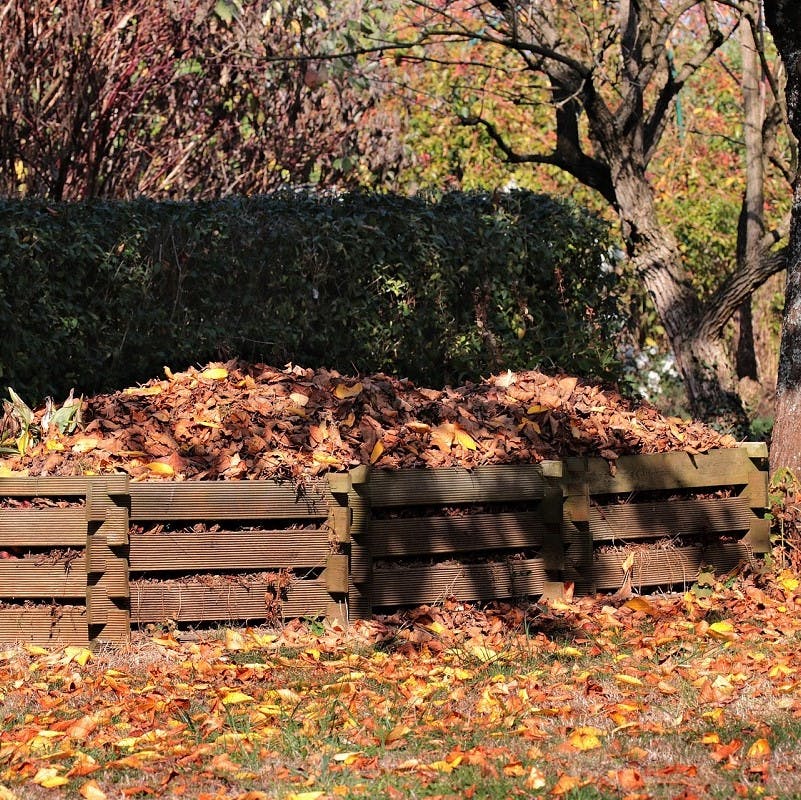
<point>248,421</point>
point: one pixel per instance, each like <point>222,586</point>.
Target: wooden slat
<point>56,486</point>
<point>657,471</point>
<point>157,602</point>
<point>661,567</point>
<point>251,550</point>
<point>44,625</point>
<point>22,578</point>
<point>422,535</point>
<point>451,486</point>
<point>227,501</point>
<point>428,584</point>
<point>668,519</point>
<point>34,527</point>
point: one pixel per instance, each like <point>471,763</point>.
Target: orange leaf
<point>627,779</point>
<point>759,749</point>
<point>443,435</point>
<point>566,784</point>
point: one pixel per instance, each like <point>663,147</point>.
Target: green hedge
<point>102,295</point>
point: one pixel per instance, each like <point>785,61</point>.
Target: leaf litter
<point>680,696</point>
<point>247,421</point>
<point>673,696</point>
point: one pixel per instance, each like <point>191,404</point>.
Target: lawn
<point>675,696</point>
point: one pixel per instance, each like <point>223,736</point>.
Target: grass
<point>578,701</point>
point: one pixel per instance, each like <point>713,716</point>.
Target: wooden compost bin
<point>66,578</point>
<point>418,536</point>
<point>235,551</point>
<point>675,513</point>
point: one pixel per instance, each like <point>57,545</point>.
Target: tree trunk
<point>751,227</point>
<point>784,21</point>
<point>701,356</point>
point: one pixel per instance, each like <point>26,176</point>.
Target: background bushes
<point>101,295</point>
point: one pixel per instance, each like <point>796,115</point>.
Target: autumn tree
<point>609,75</point>
<point>784,21</point>
<point>179,100</point>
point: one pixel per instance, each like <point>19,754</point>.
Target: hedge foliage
<point>102,295</point>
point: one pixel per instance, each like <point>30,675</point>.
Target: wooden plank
<point>36,527</point>
<point>158,602</point>
<point>658,471</point>
<point>24,578</point>
<point>44,625</point>
<point>454,485</point>
<point>392,538</point>
<point>470,582</point>
<point>227,501</point>
<point>668,566</point>
<point>251,550</point>
<point>669,519</point>
<point>57,486</point>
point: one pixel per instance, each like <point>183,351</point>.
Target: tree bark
<point>783,18</point>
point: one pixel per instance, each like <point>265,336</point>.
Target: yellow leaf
<point>160,468</point>
<point>80,655</point>
<point>344,392</point>
<point>49,778</point>
<point>6,793</point>
<point>722,630</point>
<point>232,698</point>
<point>759,749</point>
<point>36,650</point>
<point>346,758</point>
<point>585,738</point>
<point>536,409</point>
<point>5,472</point>
<point>571,652</point>
<point>375,453</point>
<point>464,439</point>
<point>324,458</point>
<point>641,604</point>
<point>54,445</point>
<point>299,399</point>
<point>788,581</point>
<point>85,444</point>
<point>91,791</point>
<point>145,391</point>
<point>214,374</point>
<point>304,795</point>
<point>710,738</point>
<point>628,679</point>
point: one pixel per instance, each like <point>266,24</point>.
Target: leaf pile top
<point>249,421</point>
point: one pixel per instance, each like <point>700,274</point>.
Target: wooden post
<point>108,601</point>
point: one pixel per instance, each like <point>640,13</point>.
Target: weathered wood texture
<point>415,546</point>
<point>68,581</point>
<point>197,552</point>
<point>611,506</point>
<point>266,527</point>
